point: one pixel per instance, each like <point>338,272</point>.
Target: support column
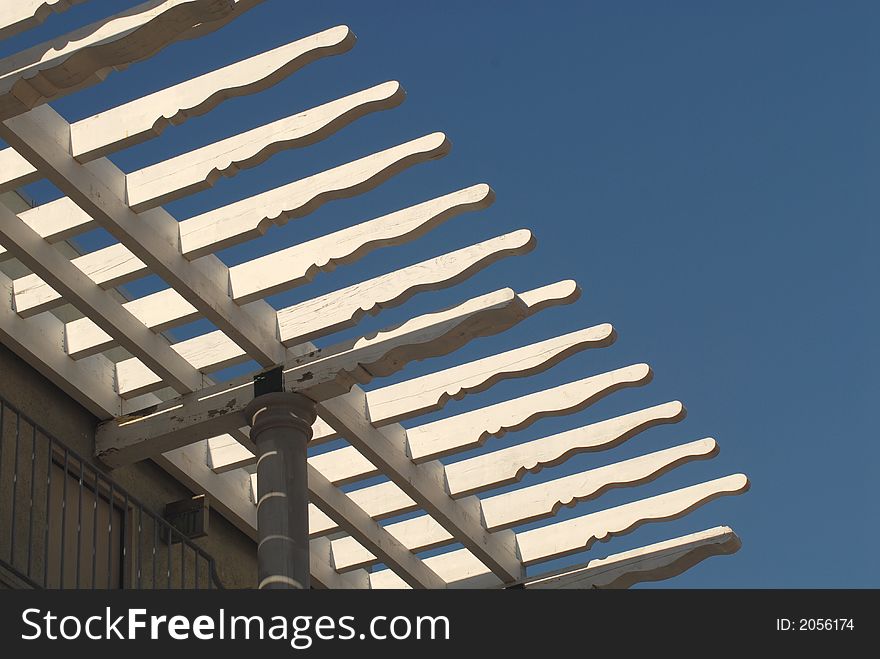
<point>281,426</point>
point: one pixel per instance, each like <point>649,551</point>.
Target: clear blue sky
<point>706,171</point>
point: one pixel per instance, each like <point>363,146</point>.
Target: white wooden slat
<point>489,470</point>
<point>251,217</point>
<point>41,135</point>
<point>365,532</point>
<point>431,392</point>
<point>107,267</point>
<point>531,503</point>
<point>146,117</point>
<point>206,353</point>
<point>460,569</point>
<point>428,393</point>
<point>15,171</point>
<point>321,375</point>
<point>655,562</point>
<point>578,534</point>
<point>88,381</point>
<point>508,465</point>
<point>161,311</point>
<point>109,314</point>
<point>301,197</point>
<point>287,268</point>
<point>294,266</point>
<point>334,311</point>
<point>84,56</point>
<point>53,221</point>
<point>386,448</point>
<point>23,15</point>
<point>198,169</point>
<point>340,309</point>
<point>470,429</point>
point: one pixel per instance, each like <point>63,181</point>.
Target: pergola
<point>157,400</point>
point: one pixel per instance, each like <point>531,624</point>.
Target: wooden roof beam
<point>86,296</point>
<point>146,117</point>
<point>535,502</point>
<point>655,562</point>
<point>320,375</point>
<point>83,57</point>
<point>23,15</point>
<point>412,398</point>
<point>461,569</point>
<point>503,466</point>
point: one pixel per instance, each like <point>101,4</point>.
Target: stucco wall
<point>26,389</point>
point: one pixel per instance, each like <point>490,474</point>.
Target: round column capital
<point>281,409</point>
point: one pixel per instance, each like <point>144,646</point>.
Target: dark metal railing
<point>65,524</point>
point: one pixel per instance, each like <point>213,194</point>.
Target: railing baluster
<point>155,545</point>
<point>14,489</point>
<point>169,530</point>
<point>49,455</point>
<point>31,503</point>
<point>79,517</point>
<point>140,545</point>
<point>95,534</point>
<point>110,536</point>
<point>64,515</point>
<point>128,543</point>
<point>123,531</point>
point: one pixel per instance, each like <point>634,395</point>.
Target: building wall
<point>36,397</point>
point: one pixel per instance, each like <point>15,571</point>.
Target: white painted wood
<point>471,429</point>
<point>54,221</point>
<point>88,381</point>
<point>411,398</point>
<point>334,311</point>
<point>205,353</point>
<point>365,532</point>
<point>281,270</point>
<point>662,560</point>
<point>146,117</point>
<point>543,500</point>
<point>158,311</point>
<point>532,503</point>
<point>508,465</point>
<point>153,349</point>
<point>320,375</point>
<point>489,470</point>
<point>465,431</point>
<point>252,217</point>
<point>659,561</point>
<point>340,309</point>
<point>386,447</point>
<point>152,236</point>
<point>85,56</point>
<point>131,260</point>
<point>107,267</point>
<point>580,533</point>
<point>295,266</point>
<point>198,169</point>
<point>15,171</point>
<point>461,569</point>
<point>22,15</point>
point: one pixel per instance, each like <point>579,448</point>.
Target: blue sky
<point>706,171</point>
